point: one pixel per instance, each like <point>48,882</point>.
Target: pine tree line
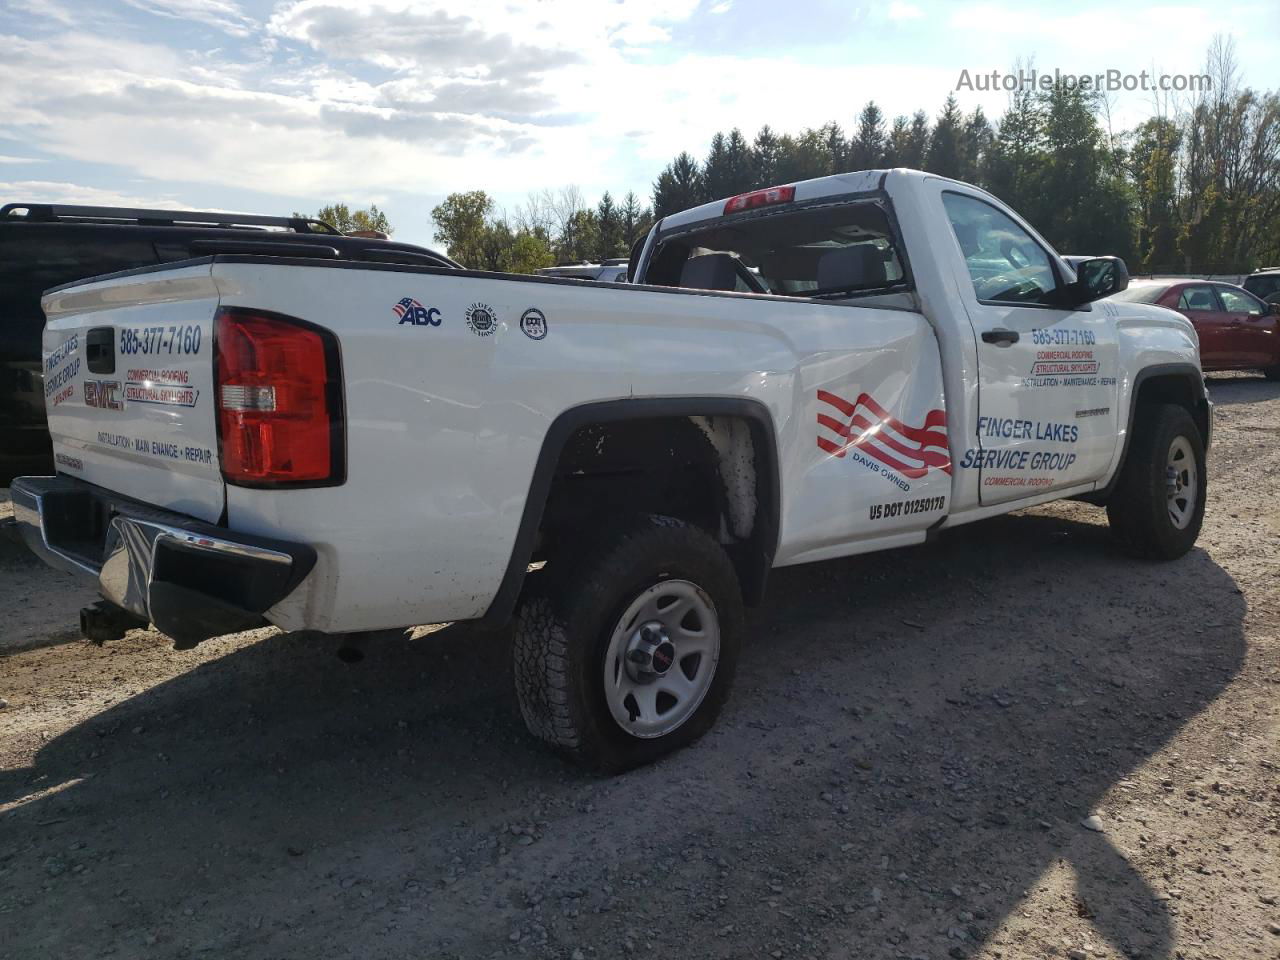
<point>1192,190</point>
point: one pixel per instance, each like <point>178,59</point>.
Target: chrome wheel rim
<point>1181,483</point>
<point>661,658</point>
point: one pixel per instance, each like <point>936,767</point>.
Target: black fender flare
<point>1187,371</point>
<point>768,483</point>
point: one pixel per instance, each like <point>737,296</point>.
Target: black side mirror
<point>1097,278</point>
<point>1275,307</point>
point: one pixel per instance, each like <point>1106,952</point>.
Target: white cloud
<point>224,15</point>
<point>723,7</point>
<point>898,10</point>
<point>4,159</point>
<point>361,98</point>
<point>56,191</point>
<point>51,10</point>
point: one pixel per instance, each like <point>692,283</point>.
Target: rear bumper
<point>191,579</point>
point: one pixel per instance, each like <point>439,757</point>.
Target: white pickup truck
<point>837,366</point>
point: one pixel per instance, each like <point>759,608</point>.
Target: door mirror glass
<point>1100,277</point>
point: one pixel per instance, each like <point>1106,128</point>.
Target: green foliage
<point>348,221</point>
<point>461,223</point>
<point>1199,192</point>
<point>944,156</point>
<point>867,151</point>
<point>476,239</point>
<point>678,187</point>
<point>611,240</point>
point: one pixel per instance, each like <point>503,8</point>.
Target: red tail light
<point>759,198</point>
<point>279,389</point>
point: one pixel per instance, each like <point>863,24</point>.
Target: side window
<point>1235,302</point>
<point>1005,263</point>
<point>1262,286</point>
<point>1197,298</point>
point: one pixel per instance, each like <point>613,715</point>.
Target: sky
<point>276,106</point>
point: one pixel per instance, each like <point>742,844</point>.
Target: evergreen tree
<point>739,163</point>
<point>630,215</point>
<point>867,151</point>
<point>917,142</point>
<point>975,141</point>
<point>837,147</point>
<point>678,187</point>
<point>717,175</point>
<point>1014,156</point>
<point>765,158</point>
<point>897,144</point>
<point>611,237</point>
<point>944,157</point>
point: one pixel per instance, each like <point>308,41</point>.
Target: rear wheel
<point>1157,507</point>
<point>627,652</point>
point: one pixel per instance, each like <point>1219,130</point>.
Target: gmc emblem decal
<point>104,394</point>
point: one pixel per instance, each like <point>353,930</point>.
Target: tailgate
<point>128,384</point>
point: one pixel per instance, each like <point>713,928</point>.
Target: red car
<point>1237,330</point>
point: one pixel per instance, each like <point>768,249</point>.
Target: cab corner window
<point>1005,263</point>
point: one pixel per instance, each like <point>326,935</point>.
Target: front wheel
<point>1157,507</point>
<point>627,652</point>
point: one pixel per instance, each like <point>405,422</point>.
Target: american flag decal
<point>868,427</point>
<point>405,305</point>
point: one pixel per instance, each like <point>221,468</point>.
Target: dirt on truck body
<point>1016,744</point>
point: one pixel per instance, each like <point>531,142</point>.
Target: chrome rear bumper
<point>191,579</point>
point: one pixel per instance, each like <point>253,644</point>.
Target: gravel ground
<point>1016,743</point>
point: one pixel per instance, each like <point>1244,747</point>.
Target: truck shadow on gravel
<point>914,740</point>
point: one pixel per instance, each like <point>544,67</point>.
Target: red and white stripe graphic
<point>868,427</point>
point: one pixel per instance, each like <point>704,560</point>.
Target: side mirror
<point>1275,307</point>
<point>1097,278</point>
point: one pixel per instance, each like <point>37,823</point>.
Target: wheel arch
<point>753,563</point>
<point>1177,383</point>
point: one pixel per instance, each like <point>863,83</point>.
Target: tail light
<point>759,198</point>
<point>279,397</point>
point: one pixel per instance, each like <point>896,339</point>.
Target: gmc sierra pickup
<point>814,370</point>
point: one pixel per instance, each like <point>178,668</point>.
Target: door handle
<point>1000,337</point>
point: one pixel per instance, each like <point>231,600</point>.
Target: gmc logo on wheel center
<point>104,394</point>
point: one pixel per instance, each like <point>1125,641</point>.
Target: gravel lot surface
<point>1016,743</point>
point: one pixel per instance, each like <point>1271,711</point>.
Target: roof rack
<point>52,212</point>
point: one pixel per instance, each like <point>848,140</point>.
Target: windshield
<point>837,250</point>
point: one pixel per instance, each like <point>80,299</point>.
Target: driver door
<point>1047,393</point>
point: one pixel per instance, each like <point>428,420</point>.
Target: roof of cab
<point>862,181</point>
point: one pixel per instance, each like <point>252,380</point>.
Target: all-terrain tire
<point>1142,507</point>
<point>565,624</point>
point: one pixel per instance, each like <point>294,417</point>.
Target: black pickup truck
<point>43,245</point>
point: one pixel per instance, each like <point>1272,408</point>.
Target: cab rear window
<point>835,251</point>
